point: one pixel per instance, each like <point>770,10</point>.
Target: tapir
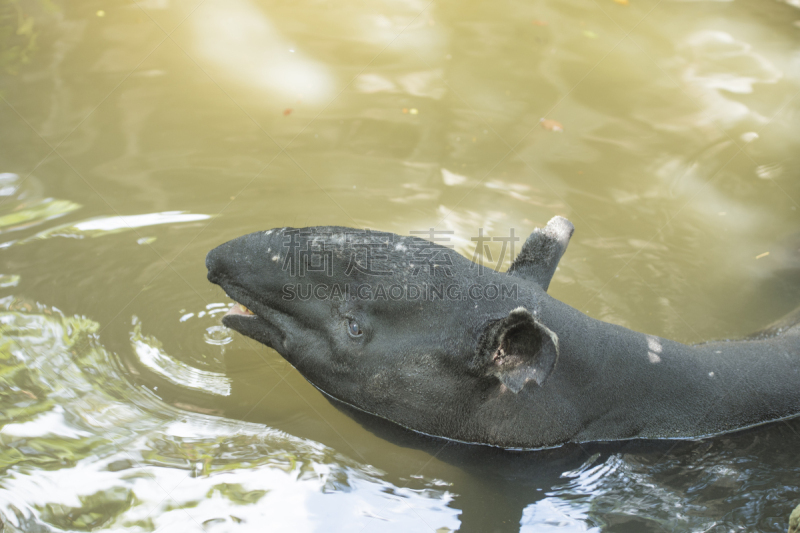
<point>409,330</point>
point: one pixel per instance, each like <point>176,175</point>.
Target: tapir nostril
<point>215,263</point>
<point>210,262</point>
<point>232,258</point>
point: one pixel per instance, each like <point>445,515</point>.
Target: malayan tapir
<point>410,331</point>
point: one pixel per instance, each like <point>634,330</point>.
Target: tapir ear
<point>518,349</point>
<point>539,257</point>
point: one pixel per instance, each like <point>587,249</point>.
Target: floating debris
<point>551,125</point>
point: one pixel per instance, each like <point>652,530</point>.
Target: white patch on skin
<point>268,232</point>
<point>654,344</point>
<point>654,348</point>
<point>276,258</point>
<point>400,247</point>
<point>711,374</point>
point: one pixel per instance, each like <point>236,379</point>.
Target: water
<point>136,136</point>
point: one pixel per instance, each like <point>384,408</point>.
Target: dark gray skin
<point>519,371</point>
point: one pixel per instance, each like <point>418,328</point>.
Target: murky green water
<point>136,136</point>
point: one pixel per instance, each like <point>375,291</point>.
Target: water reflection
<point>22,205</point>
<point>156,467</point>
<point>715,64</point>
<point>100,226</point>
<point>248,48</point>
<point>426,84</point>
<point>151,354</point>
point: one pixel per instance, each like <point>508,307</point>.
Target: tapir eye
<point>354,329</point>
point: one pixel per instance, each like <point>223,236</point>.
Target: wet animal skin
<point>486,357</point>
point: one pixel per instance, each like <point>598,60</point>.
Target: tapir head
<point>399,327</point>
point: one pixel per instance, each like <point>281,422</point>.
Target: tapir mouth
<point>256,319</point>
<point>257,312</point>
<point>240,318</point>
<point>239,310</point>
